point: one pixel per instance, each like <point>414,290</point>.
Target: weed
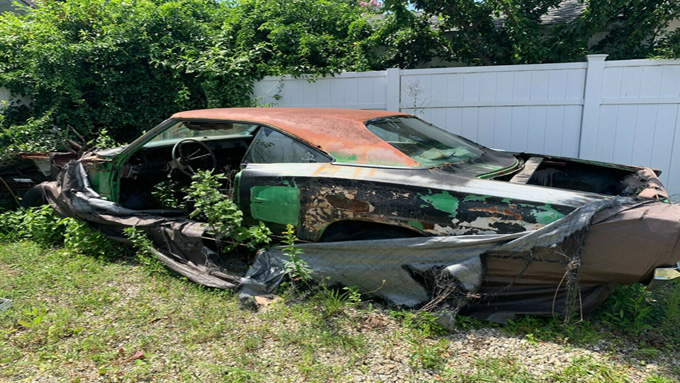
<point>167,194</point>
<point>295,267</point>
<point>671,312</point>
<point>40,224</point>
<point>423,323</point>
<point>333,301</point>
<point>82,239</point>
<point>35,316</point>
<point>588,370</point>
<point>537,330</point>
<point>469,323</point>
<point>430,357</point>
<point>103,141</point>
<point>144,250</point>
<point>628,307</point>
<point>659,379</point>
<point>222,215</point>
<point>504,369</point>
<point>92,309</point>
<point>646,353</point>
<point>239,375</point>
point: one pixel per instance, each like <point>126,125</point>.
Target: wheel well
<point>34,197</point>
<point>345,230</point>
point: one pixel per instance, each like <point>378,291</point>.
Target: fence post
<point>393,90</point>
<point>592,98</point>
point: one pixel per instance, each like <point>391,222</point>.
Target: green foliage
<point>225,220</point>
<point>34,317</point>
<point>637,28</point>
<point>419,327</point>
<point>105,64</point>
<point>30,135</point>
<point>536,330</point>
<point>430,357</point>
<point>115,68</point>
<point>629,307</point>
<point>423,323</point>
<point>648,316</point>
<point>167,193</point>
<point>404,39</point>
<point>144,250</point>
<point>298,37</point>
<point>81,239</point>
<point>585,369</point>
<point>40,224</point>
<point>103,141</point>
<point>333,302</point>
<point>492,32</point>
<point>669,47</point>
<point>295,267</point>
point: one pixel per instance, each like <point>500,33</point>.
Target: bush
<point>43,226</point>
<point>125,66</point>
<point>39,224</point>
<point>225,220</point>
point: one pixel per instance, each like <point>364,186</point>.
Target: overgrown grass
<point>85,318</point>
<point>87,309</point>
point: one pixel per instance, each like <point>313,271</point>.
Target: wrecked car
<point>342,176</point>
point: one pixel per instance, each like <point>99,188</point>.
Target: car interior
<point>156,174</point>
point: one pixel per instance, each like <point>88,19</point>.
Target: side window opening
<point>270,146</point>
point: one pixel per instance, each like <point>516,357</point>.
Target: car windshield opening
<point>201,130</point>
<point>425,143</point>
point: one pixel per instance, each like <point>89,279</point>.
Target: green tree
<point>491,32</point>
<point>99,64</point>
<point>300,37</point>
<point>124,66</point>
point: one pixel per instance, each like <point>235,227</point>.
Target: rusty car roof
<point>339,132</point>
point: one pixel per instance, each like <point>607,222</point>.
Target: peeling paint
<point>443,202</point>
<point>499,210</point>
<point>339,201</point>
<point>475,198</point>
<point>416,224</point>
<point>546,214</point>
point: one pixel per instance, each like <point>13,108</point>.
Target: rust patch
<point>497,210</point>
<point>427,225</point>
<point>344,203</point>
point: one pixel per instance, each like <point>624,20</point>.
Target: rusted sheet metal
<point>424,202</point>
<point>340,133</point>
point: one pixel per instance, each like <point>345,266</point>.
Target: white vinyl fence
<point>4,94</point>
<point>625,112</point>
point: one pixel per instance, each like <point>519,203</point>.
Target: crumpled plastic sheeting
<point>179,242</point>
<point>533,272</point>
<point>392,269</point>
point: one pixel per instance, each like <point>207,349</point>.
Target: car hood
<point>110,153</point>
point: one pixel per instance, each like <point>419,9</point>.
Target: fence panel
<point>639,117</point>
<point>365,90</point>
<point>535,108</point>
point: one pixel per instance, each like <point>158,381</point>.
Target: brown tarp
<point>623,244</point>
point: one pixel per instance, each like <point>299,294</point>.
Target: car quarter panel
<point>430,202</point>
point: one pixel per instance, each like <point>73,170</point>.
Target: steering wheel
<point>189,156</point>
